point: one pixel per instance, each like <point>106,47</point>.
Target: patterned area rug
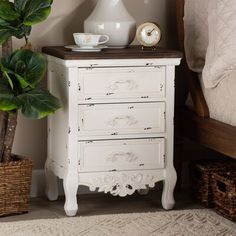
<point>171,223</point>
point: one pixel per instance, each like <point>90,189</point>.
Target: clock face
<point>148,34</point>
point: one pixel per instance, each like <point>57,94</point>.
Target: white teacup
<point>90,40</point>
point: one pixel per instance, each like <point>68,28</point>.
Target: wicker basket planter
<point>201,179</point>
<point>15,183</point>
<point>224,193</point>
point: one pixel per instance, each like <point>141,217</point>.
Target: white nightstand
<point>114,132</point>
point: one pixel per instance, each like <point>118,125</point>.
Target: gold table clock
<point>148,34</point>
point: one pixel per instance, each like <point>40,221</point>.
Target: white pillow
<point>196,33</point>
<point>221,52</point>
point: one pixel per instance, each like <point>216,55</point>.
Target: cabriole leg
<point>71,184</point>
<point>169,183</point>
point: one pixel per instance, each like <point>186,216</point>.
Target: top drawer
<point>103,84</point>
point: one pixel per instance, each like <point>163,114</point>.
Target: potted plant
<point>21,72</point>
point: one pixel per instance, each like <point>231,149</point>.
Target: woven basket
<point>15,183</point>
<point>201,179</point>
<point>224,193</point>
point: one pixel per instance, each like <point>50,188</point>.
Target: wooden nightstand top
<point>133,52</point>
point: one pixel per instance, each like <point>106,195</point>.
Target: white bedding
<point>221,51</point>
<point>196,33</point>
<point>221,100</point>
<point>210,44</point>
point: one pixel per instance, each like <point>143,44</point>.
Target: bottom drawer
<point>139,154</point>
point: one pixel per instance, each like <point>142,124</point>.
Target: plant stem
<point>6,50</point>
<point>3,127</point>
<point>26,39</point>
<point>9,137</point>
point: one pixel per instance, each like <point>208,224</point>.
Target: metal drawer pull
<point>129,84</point>
<point>128,119</point>
<point>128,156</point>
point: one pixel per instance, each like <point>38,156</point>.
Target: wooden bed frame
<point>198,126</point>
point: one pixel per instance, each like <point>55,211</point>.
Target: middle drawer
<point>121,119</point>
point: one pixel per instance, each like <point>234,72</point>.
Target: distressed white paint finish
<point>116,62</point>
<point>126,119</point>
<point>121,183</point>
<point>58,85</point>
<point>116,144</point>
<point>118,155</point>
<point>168,201</point>
<point>121,84</point>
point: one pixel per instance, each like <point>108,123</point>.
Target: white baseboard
<point>38,185</point>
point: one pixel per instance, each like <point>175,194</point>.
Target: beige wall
<point>67,17</point>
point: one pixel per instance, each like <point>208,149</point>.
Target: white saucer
<point>76,48</point>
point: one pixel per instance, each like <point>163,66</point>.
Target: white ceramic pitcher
<point>110,17</point>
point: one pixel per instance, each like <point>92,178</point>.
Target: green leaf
<point>26,29</point>
<point>33,12</point>
<point>20,5</point>
<point>28,66</point>
<point>22,81</point>
<point>8,102</point>
<point>21,31</point>
<point>4,35</point>
<point>38,103</point>
<point>9,30</point>
<point>7,11</point>
<point>8,79</point>
<point>4,23</point>
<point>17,18</point>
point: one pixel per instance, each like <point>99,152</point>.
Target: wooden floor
<point>100,204</point>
